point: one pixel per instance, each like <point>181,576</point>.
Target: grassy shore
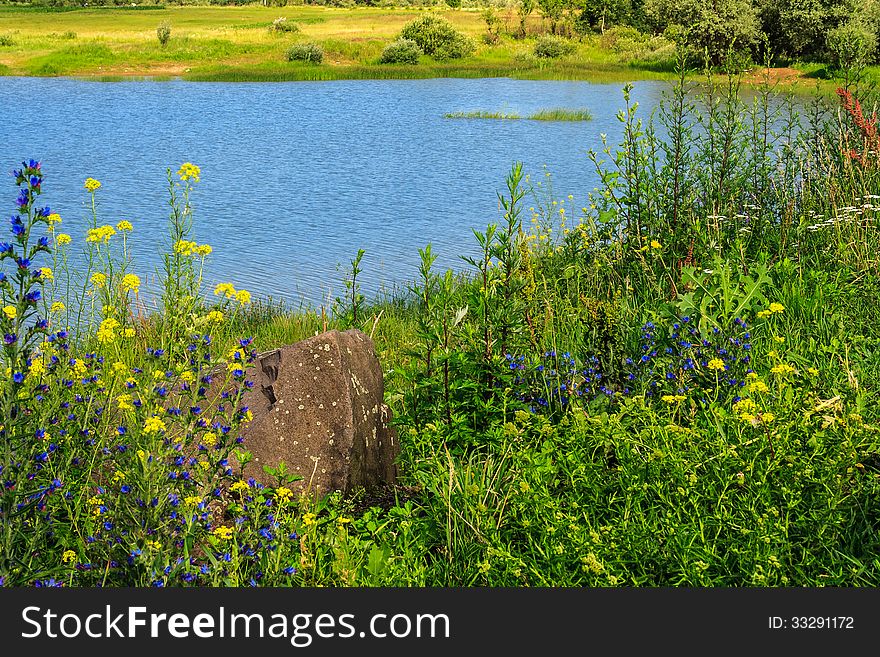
<point>235,44</point>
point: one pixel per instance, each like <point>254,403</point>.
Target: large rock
<point>318,406</point>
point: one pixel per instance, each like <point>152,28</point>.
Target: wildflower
<point>185,247</point>
<point>69,556</point>
<point>62,239</point>
<point>343,521</point>
<point>309,519</point>
<point>130,282</point>
<point>223,533</point>
<point>283,494</point>
<point>778,338</point>
<point>243,296</point>
<point>767,418</point>
<point>782,369</point>
<point>716,364</point>
<point>673,399</point>
<point>776,307</point>
<point>124,402</point>
<point>91,185</point>
<point>57,307</point>
<point>128,332</point>
<point>98,279</point>
<point>10,311</point>
<point>239,487</point>
<point>812,371</point>
<point>204,250</point>
<point>37,367</point>
<point>759,387</point>
<point>53,218</point>
<point>100,234</point>
<point>188,171</point>
<point>655,244</point>
<point>209,439</point>
<point>124,226</point>
<point>46,273</point>
<point>215,316</point>
<point>226,289</point>
<point>154,425</point>
<point>105,332</point>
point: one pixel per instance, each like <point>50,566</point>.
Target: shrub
<point>551,47</point>
<point>437,37</point>
<point>306,52</point>
<point>401,51</point>
<point>281,26</point>
<point>851,46</point>
<point>163,32</point>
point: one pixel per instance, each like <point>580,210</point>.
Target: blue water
<point>296,177</point>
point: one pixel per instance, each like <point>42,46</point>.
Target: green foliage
<point>710,30</point>
<point>283,26</point>
<point>553,47</point>
<point>311,53</point>
<point>401,51</point>
<point>437,37</point>
<point>163,33</point>
<point>852,46</point>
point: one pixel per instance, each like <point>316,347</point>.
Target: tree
<point>715,27</point>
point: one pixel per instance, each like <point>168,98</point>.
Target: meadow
<point>673,385</point>
<point>239,43</point>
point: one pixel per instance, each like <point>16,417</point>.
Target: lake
<point>296,177</point>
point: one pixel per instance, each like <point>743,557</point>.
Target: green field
<point>235,44</point>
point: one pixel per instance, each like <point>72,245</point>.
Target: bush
<point>163,33</point>
<point>306,52</point>
<point>851,46</point>
<point>401,51</point>
<point>282,26</point>
<point>437,37</point>
<point>553,46</point>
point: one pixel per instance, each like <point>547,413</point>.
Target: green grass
<point>542,115</point>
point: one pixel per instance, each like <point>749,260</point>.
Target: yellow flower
<point>105,332</point>
<point>119,366</point>
<point>758,386</point>
<point>188,171</point>
<point>782,369</point>
<point>129,332</point>
<point>283,494</point>
<point>655,244</point>
<point>764,314</point>
<point>124,226</point>
<point>309,519</point>
<point>10,311</point>
<point>778,338</point>
<point>153,545</point>
<point>812,371</point>
<point>53,218</point>
<point>187,376</point>
<point>716,364</point>
<point>239,487</point>
<point>57,307</point>
<point>130,282</point>
<point>91,184</point>
<point>46,274</point>
<point>776,307</point>
<point>673,399</point>
<point>37,367</point>
<point>100,234</point>
<point>98,279</point>
<point>225,288</point>
<point>243,296</point>
<point>62,239</point>
<point>69,556</point>
<point>192,501</point>
<point>117,477</point>
<point>215,316</point>
<point>204,250</point>
<point>767,418</point>
<point>185,247</point>
<point>343,521</point>
<point>223,533</point>
<point>154,425</point>
<point>209,439</point>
